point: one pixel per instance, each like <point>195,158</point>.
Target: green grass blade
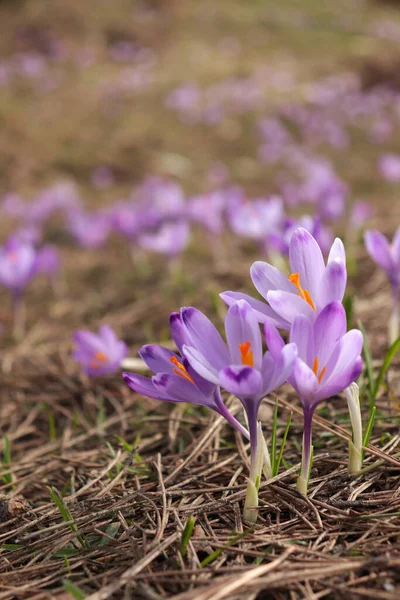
<point>390,354</point>
<point>6,462</point>
<point>368,363</point>
<point>186,535</point>
<point>368,429</point>
<point>279,460</point>
<point>73,589</point>
<point>273,438</point>
<point>211,557</point>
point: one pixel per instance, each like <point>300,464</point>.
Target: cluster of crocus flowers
<point>387,256</point>
<point>321,359</point>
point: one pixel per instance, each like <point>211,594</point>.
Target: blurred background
<point>106,92</point>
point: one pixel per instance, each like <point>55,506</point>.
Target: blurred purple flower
<point>389,167</point>
<point>208,210</point>
<point>17,265</point>
<point>163,196</point>
<point>329,360</point>
<point>13,205</point>
<point>99,354</point>
<point>175,380</point>
<point>170,239</point>
<point>48,261</point>
<point>257,218</point>
<point>310,287</point>
<point>387,256</point>
<point>280,240</point>
<point>91,230</point>
<point>361,212</point>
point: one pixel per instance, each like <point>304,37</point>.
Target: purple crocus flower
<point>239,367</point>
<point>329,360</point>
<point>309,288</point>
<point>90,230</point>
<point>280,240</point>
<point>99,354</point>
<point>256,219</point>
<point>389,167</point>
<point>175,380</point>
<point>17,265</point>
<point>170,239</point>
<point>387,256</point>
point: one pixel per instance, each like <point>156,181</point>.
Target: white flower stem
<point>250,511</point>
<point>352,394</point>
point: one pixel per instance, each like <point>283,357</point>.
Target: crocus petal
<point>89,341</point>
<point>379,249</point>
<point>242,326</point>
<point>180,389</point>
<point>288,306</point>
<point>349,349</point>
<point>108,335</point>
<point>283,369</point>
<point>274,339</point>
<point>263,311</point>
<point>266,277</point>
<point>396,249</point>
<point>243,381</point>
<point>178,331</point>
<point>340,381</point>
<point>306,259</point>
<point>302,335</point>
<point>333,283</point>
<point>337,251</point>
<point>158,358</point>
<point>143,385</point>
<point>304,381</point>
<point>200,364</point>
<point>205,337</point>
<point>329,327</point>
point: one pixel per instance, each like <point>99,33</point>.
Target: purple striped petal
<point>302,335</point>
<point>158,358</point>
<point>243,381</point>
<point>205,338</point>
<point>266,277</point>
<point>306,259</point>
<point>263,311</point>
<point>333,283</point>
<point>289,306</point>
<point>337,252</point>
<point>200,364</point>
<point>274,340</point>
<point>178,331</point>
<point>329,327</point>
<point>304,381</point>
<point>143,385</point>
<point>180,390</point>
<point>242,326</point>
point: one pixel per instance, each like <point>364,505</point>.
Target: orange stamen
<point>247,354</point>
<point>322,373</point>
<point>305,294</point>
<point>12,256</point>
<point>315,369</point>
<point>181,370</point>
<point>98,358</point>
<point>315,366</point>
